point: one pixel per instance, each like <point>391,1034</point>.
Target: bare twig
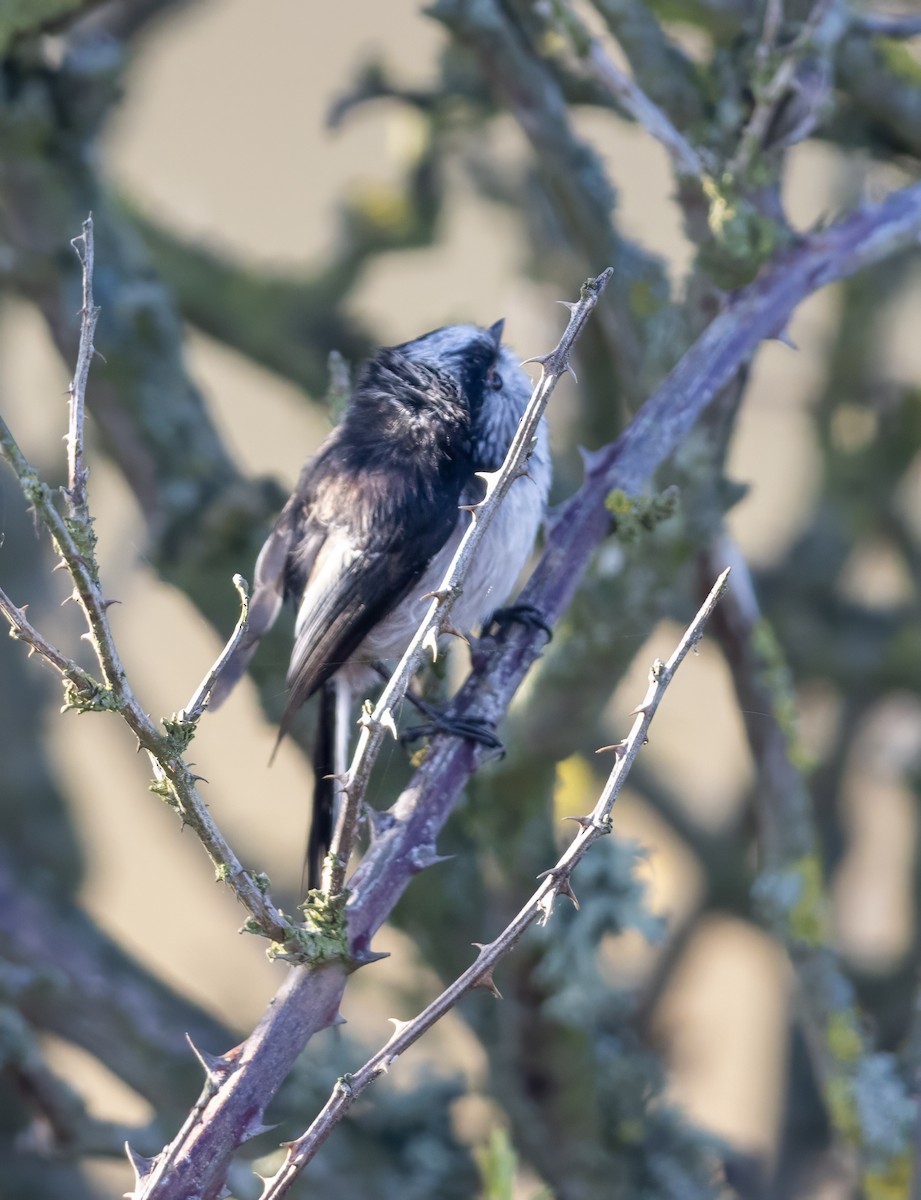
<point>89,315</point>
<point>375,724</point>
<point>199,702</point>
<point>23,630</point>
<point>555,882</point>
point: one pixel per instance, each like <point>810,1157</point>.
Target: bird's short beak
<point>496,332</point>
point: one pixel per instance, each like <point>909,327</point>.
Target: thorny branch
<point>374,725</point>
<point>199,702</point>
<point>555,882</point>
<point>240,1086</point>
<point>23,630</point>
<point>75,543</point>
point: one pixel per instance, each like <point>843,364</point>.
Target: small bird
<point>375,519</point>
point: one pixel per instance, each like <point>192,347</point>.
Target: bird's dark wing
<point>368,514</point>
<point>379,534</point>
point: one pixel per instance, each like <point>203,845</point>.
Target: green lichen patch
<point>323,936</point>
<point>90,697</point>
<point>179,734</point>
<point>634,517</point>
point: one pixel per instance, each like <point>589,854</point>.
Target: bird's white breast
<point>491,575</point>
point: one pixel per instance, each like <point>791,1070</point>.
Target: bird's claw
<point>472,729</point>
<point>528,615</point>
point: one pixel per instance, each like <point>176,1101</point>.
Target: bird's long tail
<point>324,788</point>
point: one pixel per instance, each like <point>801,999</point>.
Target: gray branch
<point>238,1090</point>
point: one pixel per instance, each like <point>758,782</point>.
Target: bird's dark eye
<point>493,379</point>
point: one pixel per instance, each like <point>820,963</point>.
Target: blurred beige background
<point>204,140</point>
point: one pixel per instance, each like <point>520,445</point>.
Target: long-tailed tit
<point>376,517</point>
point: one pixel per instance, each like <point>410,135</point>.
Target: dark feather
<point>368,514</point>
<point>371,511</point>
<point>324,791</point>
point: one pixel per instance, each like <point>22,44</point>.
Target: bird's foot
<point>471,729</point>
<point>528,615</point>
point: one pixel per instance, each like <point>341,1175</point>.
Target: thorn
<point>342,779</point>
<point>398,1026</point>
<point>569,367</point>
<point>565,889</point>
<point>589,821</point>
<point>592,458</point>
<point>107,604</point>
<point>385,1064</point>
<point>640,711</point>
<point>470,508</point>
<point>619,748</point>
<point>199,779</point>
<point>365,957</point>
<point>441,594</point>
<point>561,879</point>
<point>215,1067</point>
<point>540,359</point>
<point>429,858</point>
<point>378,821</point>
<point>453,631</point>
<point>430,642</point>
<point>253,1130</point>
<point>486,981</point>
<point>389,723</point>
<point>337,1020</point>
<point>142,1166</point>
<point>572,305</point>
<point>785,340</point>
